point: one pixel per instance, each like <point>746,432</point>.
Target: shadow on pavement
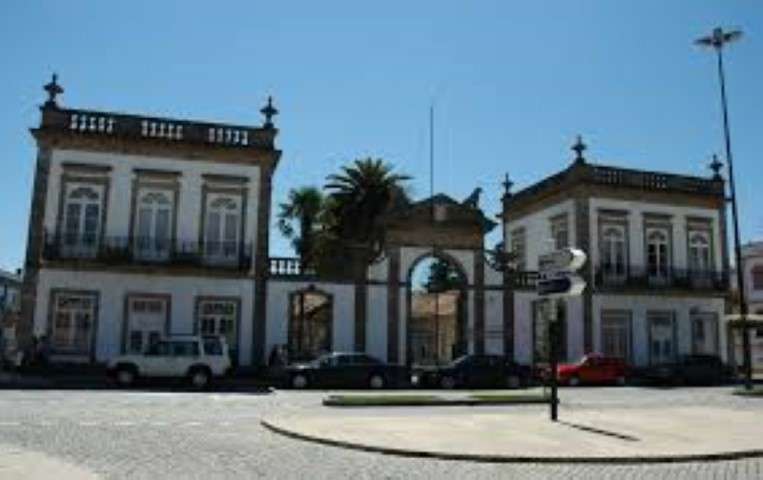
<point>599,431</point>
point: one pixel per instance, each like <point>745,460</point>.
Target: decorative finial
<point>53,89</point>
<point>269,111</point>
<point>716,166</point>
<point>579,148</point>
<point>507,184</point>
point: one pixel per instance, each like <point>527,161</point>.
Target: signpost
<point>558,280</point>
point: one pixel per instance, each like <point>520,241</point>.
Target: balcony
<point>641,277</point>
<point>289,267</point>
<point>121,251</point>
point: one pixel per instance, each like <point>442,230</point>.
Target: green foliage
<point>442,276</point>
<point>304,208</point>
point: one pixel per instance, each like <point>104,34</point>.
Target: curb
<point>479,458</point>
<point>437,403</point>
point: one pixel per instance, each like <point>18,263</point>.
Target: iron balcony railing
<point>125,250</point>
<point>637,276</point>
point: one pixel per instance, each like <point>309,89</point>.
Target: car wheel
<point>574,381</point>
<point>125,376</point>
<point>200,378</point>
<point>513,381</point>
<point>299,381</point>
<point>376,382</point>
<point>447,382</point>
<point>621,380</point>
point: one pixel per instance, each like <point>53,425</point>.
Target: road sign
<point>567,284</point>
<point>557,275</point>
<point>564,260</point>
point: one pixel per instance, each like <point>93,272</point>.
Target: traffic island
<point>526,435</point>
<point>473,400</point>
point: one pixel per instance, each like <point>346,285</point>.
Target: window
<point>146,321</point>
<point>82,220</point>
<point>218,317</point>
<point>613,254</point>
<point>757,277</point>
<point>704,333</point>
<point>616,334</point>
<point>73,322</point>
<point>661,337</point>
<point>560,231</point>
<point>518,248</point>
<point>223,222</point>
<point>153,225</point>
<point>185,349</point>
<point>699,252</point>
<point>658,258</point>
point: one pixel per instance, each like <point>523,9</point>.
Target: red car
<point>593,368</point>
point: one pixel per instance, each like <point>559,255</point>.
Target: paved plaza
<point>118,434</point>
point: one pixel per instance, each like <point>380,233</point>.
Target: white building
<point>142,227</point>
<point>657,267</point>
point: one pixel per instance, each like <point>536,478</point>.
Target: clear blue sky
<point>512,83</point>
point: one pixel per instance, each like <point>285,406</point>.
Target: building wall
<point>121,185</point>
<point>636,211</point>
<point>538,240</point>
<point>113,289</point>
<point>494,322</point>
<point>343,324</point>
<point>639,306</point>
<point>376,321</point>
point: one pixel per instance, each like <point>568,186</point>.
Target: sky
<point>512,84</point>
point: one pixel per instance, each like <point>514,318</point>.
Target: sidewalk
<point>19,464</point>
<point>525,434</point>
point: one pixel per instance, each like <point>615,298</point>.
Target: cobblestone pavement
<point>120,434</point>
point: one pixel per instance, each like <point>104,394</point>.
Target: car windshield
<point>458,361</point>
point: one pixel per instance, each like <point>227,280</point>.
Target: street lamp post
<point>717,40</point>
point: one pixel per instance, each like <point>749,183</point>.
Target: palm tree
<point>360,195</point>
<point>304,207</point>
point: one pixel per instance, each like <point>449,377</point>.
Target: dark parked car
<point>474,371</point>
<point>689,370</point>
<point>344,370</point>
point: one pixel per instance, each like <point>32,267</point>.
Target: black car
<point>689,370</point>
<point>474,371</point>
<point>345,370</point>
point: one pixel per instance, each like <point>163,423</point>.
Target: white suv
<point>198,359</point>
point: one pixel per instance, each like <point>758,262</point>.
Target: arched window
<point>82,220</point>
<point>311,316</point>
<point>221,237</point>
<point>699,252</point>
<point>657,253</point>
<point>613,251</point>
<point>153,225</point>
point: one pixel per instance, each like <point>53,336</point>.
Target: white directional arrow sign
<point>557,275</point>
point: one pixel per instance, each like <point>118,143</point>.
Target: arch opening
<point>437,311</point>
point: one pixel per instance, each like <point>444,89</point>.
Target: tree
<point>359,196</point>
<point>305,207</point>
<point>443,276</point>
